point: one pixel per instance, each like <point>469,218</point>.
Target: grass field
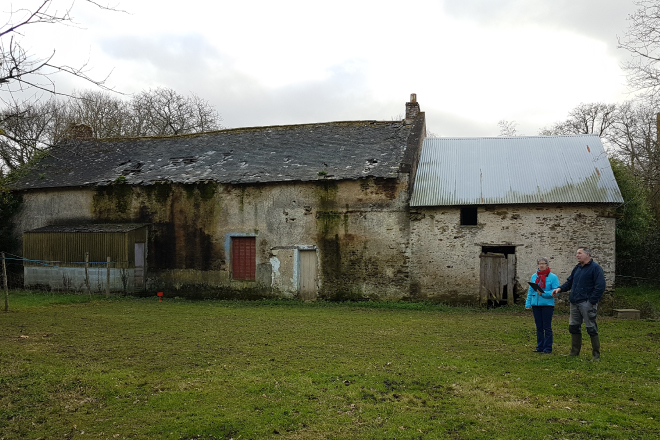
<point>140,369</point>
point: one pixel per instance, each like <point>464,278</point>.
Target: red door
<point>243,258</point>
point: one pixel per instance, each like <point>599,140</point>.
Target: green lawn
<point>140,369</point>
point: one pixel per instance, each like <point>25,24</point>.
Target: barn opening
<point>497,278</point>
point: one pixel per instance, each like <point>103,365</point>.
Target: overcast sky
<point>259,62</point>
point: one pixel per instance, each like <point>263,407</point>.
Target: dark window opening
<point>243,258</point>
<point>469,216</point>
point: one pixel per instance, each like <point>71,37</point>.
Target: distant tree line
<point>32,126</point>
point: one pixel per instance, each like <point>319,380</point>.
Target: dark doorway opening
<point>504,287</point>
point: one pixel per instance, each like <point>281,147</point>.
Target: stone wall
<point>358,229</point>
<point>368,243</point>
<point>445,263</point>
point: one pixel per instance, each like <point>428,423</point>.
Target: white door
<point>307,274</point>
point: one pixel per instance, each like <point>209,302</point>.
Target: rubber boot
<point>576,344</point>
<point>595,348</point>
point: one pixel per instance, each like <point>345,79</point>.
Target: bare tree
<point>107,115</point>
<point>593,118</point>
<point>508,128</point>
<point>163,112</point>
<point>27,129</point>
<point>634,136</point>
<point>642,40</point>
<point>21,69</point>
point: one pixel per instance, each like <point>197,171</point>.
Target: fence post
<point>4,280</point>
<point>89,292</point>
<point>107,281</point>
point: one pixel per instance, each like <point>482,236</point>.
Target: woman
<point>543,305</point>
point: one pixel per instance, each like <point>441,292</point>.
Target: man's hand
<point>556,292</point>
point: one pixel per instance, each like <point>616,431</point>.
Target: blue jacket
<point>585,283</point>
<point>536,299</point>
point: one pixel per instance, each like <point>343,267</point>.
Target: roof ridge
<point>516,137</point>
<point>234,130</point>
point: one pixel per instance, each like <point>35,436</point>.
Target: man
<point>587,285</point>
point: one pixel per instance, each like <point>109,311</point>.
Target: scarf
<point>541,275</point>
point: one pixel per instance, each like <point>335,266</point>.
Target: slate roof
<point>513,170</point>
<point>342,150</point>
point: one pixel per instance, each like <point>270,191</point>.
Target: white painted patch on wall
<point>275,264</point>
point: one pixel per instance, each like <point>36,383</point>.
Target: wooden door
<point>139,266</point>
<point>307,274</point>
<point>243,258</point>
<point>494,273</point>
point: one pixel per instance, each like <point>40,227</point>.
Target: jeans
<point>543,320</point>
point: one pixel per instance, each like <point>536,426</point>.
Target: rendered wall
<point>47,207</point>
<point>72,279</point>
<point>358,228</point>
<point>445,263</point>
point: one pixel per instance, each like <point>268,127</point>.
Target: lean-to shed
<point>71,257</point>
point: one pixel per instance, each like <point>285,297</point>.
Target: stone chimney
<point>78,131</point>
<point>412,108</point>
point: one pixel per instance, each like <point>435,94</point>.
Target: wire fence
<point>72,276</point>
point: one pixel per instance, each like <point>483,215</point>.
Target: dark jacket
<point>585,283</point>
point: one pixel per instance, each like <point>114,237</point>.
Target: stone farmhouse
<point>338,210</point>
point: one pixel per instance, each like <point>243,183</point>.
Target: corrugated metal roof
<point>513,170</point>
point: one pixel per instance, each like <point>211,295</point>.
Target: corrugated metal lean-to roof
<point>514,170</point>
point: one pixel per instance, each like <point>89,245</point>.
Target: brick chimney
<point>412,108</point>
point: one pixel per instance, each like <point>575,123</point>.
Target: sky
<point>471,63</point>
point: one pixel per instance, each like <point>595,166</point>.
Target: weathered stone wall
<point>358,228</point>
<point>368,243</point>
<point>445,263</point>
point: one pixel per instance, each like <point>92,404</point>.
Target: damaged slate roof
<point>335,150</point>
